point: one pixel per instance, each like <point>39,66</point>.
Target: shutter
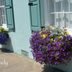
<point>9,15</point>
<point>35,16</point>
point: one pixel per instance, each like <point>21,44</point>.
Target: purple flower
<point>54,49</point>
<point>68,37</point>
<point>3,37</point>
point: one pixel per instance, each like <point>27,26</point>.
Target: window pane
<point>70,21</point>
<point>65,5</point>
<point>58,20</point>
<point>51,5</point>
<point>70,5</point>
<point>1,2</point>
<point>62,20</point>
<point>58,6</point>
<point>51,19</point>
<point>2,13</point>
<point>66,20</point>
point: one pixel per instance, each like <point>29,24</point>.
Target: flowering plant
<point>3,35</point>
<point>50,47</point>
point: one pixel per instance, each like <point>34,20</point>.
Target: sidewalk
<point>10,62</point>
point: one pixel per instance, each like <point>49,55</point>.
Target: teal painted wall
<point>20,38</point>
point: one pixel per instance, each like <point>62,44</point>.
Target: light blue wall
<point>20,38</point>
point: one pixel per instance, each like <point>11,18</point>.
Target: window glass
<point>70,18</point>
<point>61,19</point>
<point>65,5</point>
<point>58,6</point>
<point>70,5</point>
<point>51,5</point>
<point>2,13</point>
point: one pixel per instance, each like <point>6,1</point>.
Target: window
<point>62,13</point>
<point>2,13</point>
<point>65,5</point>
<point>58,6</point>
<point>6,14</point>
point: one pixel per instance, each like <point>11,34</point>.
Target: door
<point>35,17</point>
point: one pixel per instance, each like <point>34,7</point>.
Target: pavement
<point>11,62</point>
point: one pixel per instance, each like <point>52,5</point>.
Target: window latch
<point>31,4</point>
<point>8,6</point>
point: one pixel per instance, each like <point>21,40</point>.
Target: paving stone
<point>10,62</point>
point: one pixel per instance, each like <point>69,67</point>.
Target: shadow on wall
<point>48,68</point>
<point>8,48</point>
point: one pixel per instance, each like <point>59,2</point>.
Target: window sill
<point>61,12</point>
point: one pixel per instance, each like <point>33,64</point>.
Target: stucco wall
<point>20,38</point>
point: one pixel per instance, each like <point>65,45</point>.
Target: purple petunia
<point>53,49</point>
<point>3,37</point>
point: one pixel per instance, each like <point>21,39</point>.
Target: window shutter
<point>35,16</point>
<point>9,15</point>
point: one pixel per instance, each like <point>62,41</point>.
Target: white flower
<point>5,27</point>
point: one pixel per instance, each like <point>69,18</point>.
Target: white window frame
<point>62,13</point>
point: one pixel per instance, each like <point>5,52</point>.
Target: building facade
<point>21,17</point>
